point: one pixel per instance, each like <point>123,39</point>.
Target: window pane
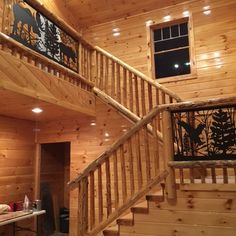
<point>172,63</point>
<point>184,28</point>
<point>166,32</point>
<point>171,44</point>
<point>157,35</point>
<point>174,30</point>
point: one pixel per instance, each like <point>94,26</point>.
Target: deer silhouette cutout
<point>24,16</point>
<point>193,133</point>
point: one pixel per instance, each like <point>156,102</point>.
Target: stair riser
<point>198,204</point>
<point>187,217</point>
<point>176,230</point>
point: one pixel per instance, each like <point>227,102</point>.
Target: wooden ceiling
<point>92,12</point>
<point>19,106</point>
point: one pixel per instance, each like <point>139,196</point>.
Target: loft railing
<point>49,35</point>
<point>25,54</point>
<point>120,176</point>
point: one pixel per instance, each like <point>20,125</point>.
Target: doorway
<point>54,176</point>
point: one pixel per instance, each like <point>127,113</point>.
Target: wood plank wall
<point>17,151</point>
<point>214,46</point>
<point>87,142</point>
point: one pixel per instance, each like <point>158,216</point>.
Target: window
<point>171,49</point>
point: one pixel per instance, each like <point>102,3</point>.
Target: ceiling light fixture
<point>186,13</point>
<point>208,12</point>
<point>116,34</point>
<point>37,110</point>
<point>167,18</point>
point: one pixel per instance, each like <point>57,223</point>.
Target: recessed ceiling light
<point>186,13</point>
<point>206,8</point>
<point>116,34</point>
<point>208,12</point>
<point>116,30</point>
<point>93,123</point>
<point>106,134</point>
<point>37,110</point>
<point>167,18</point>
<point>148,22</point>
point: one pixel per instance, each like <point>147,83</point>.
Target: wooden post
<point>168,154</point>
<point>83,207</point>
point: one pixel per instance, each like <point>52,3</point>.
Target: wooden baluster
<point>136,95</point>
<point>158,103</point>
<point>225,175</point>
<point>156,147</point>
<point>83,206</point>
<point>213,175</point>
<point>116,190</point>
<point>171,99</point>
<point>123,174</point>
<point>131,167</point>
<point>143,98</point>
<point>118,92</point>
<point>106,76</point>
<point>94,66</point>
<point>108,185</point>
<point>92,201</point>
<point>191,175</point>
<point>150,102</point>
<point>139,161</point>
<point>100,196</point>
<point>89,64</point>
<point>113,79</point>
<point>181,175</point>
<point>163,97</point>
<point>124,87</point>
<point>203,178</point>
<point>97,70</point>
<point>131,101</point>
<point>81,53</point>
<point>147,154</point>
<point>101,72</point>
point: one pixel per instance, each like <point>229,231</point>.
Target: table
<point>13,217</point>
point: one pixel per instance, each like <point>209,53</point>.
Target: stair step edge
<point>128,222</point>
<point>142,210</point>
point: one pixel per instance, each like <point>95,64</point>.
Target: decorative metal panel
<point>208,134</point>
<point>34,30</point>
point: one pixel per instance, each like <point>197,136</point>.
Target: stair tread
<point>111,231</point>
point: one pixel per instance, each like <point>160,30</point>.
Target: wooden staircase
<point>194,212</point>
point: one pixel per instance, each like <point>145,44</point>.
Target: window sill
<point>174,79</point>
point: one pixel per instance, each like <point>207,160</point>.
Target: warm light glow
<point>116,34</point>
<point>206,8</point>
<point>116,30</point>
<point>167,18</point>
<point>149,22</point>
<point>216,54</point>
<point>186,13</point>
<point>176,66</point>
<point>208,12</point>
<point>106,134</point>
<point>93,123</point>
<point>37,110</point>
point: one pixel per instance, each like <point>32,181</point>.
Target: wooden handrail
<point>21,51</point>
<point>139,74</point>
<point>205,164</point>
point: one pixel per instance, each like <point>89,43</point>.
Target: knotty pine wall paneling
<point>17,151</point>
<point>214,46</point>
<point>87,142</point>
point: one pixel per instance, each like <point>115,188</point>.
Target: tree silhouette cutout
<point>223,133</point>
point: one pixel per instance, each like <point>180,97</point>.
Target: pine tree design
<point>223,135</point>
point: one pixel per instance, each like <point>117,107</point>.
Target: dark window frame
<point>192,72</point>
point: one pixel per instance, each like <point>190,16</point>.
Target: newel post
<point>168,149</point>
<point>83,206</point>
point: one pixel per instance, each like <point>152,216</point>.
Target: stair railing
<point>128,86</point>
<point>121,176</point>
